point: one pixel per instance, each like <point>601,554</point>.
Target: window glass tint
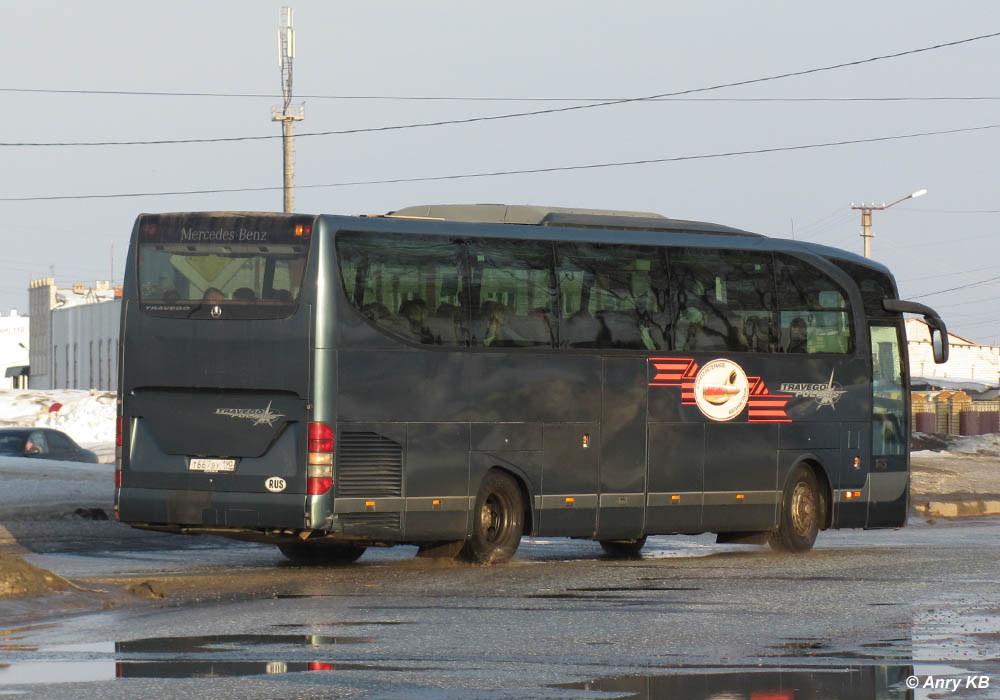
<point>12,444</point>
<point>409,285</point>
<point>888,409</point>
<point>874,285</point>
<point>513,293</point>
<point>815,312</point>
<point>725,300</point>
<point>57,441</point>
<point>250,266</point>
<point>613,297</point>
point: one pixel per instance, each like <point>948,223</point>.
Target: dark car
<point>44,443</point>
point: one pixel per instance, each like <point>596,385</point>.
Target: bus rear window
<point>234,267</point>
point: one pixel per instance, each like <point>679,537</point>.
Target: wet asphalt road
<point>691,619</point>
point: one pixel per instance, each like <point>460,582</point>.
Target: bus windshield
<point>236,266</point>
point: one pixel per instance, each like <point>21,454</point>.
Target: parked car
<point>43,443</point>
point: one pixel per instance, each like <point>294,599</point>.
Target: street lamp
<point>866,216</point>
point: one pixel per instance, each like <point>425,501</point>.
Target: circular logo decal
<point>721,389</point>
<point>275,484</point>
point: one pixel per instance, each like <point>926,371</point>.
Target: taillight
<point>320,477</point>
<point>320,437</point>
<point>118,432</point>
<point>318,485</point>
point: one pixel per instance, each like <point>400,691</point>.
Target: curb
<point>958,509</point>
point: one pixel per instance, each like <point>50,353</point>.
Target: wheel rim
<point>494,517</point>
<point>803,509</point>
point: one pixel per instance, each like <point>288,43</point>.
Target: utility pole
<point>866,216</point>
<point>287,114</point>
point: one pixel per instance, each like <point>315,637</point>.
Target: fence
<point>954,414</point>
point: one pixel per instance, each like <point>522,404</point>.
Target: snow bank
<point>86,416</point>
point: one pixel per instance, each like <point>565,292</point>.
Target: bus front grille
<point>368,465</point>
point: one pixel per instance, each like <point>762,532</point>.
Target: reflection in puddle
<point>228,669</point>
<point>851,683</point>
<point>228,642</point>
<point>170,657</point>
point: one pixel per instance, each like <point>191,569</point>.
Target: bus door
<point>623,449</point>
<point>888,494</point>
<point>852,474</point>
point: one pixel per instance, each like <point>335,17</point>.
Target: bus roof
<point>560,216</point>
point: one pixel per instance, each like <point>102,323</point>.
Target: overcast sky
<point>513,49</point>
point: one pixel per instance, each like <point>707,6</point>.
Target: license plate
<point>212,465</point>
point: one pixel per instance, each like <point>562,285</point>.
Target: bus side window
<point>409,286</point>
<point>814,311</point>
<point>725,300</point>
<point>516,292</point>
<point>613,297</point>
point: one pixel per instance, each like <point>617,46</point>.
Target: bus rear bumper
<point>171,508</point>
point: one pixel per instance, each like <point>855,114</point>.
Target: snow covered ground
<point>86,416</point>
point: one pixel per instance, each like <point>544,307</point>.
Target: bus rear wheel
<point>314,553</point>
<point>497,521</point>
<point>623,549</point>
<point>800,513</point>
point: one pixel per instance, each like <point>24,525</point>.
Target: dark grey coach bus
<point>459,376</point>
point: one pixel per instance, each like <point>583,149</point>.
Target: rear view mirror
<point>940,346</point>
<point>938,331</point>
<point>33,450</point>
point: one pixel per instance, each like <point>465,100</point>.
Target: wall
<point>41,299</point>
<point>13,345</point>
<point>966,361</point>
<point>85,346</point>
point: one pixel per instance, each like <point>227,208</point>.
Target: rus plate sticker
<point>275,484</point>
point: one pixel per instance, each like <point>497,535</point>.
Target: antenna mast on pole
<point>287,114</point>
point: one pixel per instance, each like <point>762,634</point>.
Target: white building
<point>74,335</point>
<point>967,361</point>
<point>13,350</point>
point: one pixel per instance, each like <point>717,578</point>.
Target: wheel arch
<point>819,470</point>
<point>526,496</point>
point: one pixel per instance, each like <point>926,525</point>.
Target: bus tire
<point>624,549</point>
<point>800,515</point>
<point>497,521</point>
<point>305,553</point>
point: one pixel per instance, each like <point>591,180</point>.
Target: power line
<point>952,289</point>
<point>526,171</point>
<point>484,98</point>
<point>513,115</point>
<point>908,245</point>
<point>948,274</point>
<point>951,211</point>
<point>819,223</point>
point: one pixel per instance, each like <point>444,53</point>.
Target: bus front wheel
<point>305,553</point>
<point>497,521</point>
<point>799,517</point>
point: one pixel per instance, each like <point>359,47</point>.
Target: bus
<point>460,376</point>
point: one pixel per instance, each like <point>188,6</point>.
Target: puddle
<point>821,683</point>
<point>228,642</point>
<point>354,623</point>
<point>183,657</point>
